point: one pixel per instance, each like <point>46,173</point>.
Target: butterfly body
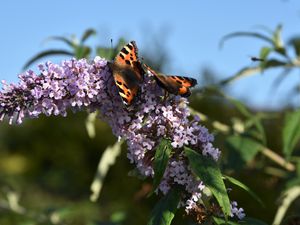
<point>127,72</point>
<point>177,85</point>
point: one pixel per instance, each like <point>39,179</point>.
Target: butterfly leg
<point>166,95</point>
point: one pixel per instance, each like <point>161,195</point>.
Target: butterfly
<point>127,72</point>
<point>177,85</point>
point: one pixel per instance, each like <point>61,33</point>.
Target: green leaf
<point>246,147</point>
<point>164,211</point>
<point>240,107</point>
<point>244,187</point>
<point>252,221</point>
<point>245,221</point>
<point>67,41</point>
<point>46,54</point>
<point>277,40</point>
<point>82,52</point>
<point>246,71</point>
<point>87,34</point>
<point>295,42</point>
<point>208,171</point>
<point>161,158</point>
<point>107,53</point>
<point>264,52</point>
<point>245,34</point>
<point>291,132</point>
<point>221,221</point>
<point>277,36</point>
<point>274,63</point>
<point>257,130</point>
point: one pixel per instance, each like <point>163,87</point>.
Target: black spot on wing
<point>178,81</point>
<point>122,56</point>
<point>125,100</point>
<point>127,62</point>
<point>121,90</point>
<point>124,51</point>
<point>130,46</point>
<point>125,86</point>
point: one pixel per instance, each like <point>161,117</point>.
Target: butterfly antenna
<point>111,48</point>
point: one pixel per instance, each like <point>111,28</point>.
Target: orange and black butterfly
<point>127,72</point>
<point>177,85</point>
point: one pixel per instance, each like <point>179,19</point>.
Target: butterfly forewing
<point>127,72</point>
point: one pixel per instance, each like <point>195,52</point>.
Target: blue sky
<point>190,30</point>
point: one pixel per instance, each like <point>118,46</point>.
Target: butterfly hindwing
<point>177,85</point>
<point>127,72</point>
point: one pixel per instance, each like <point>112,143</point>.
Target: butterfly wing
<point>177,85</point>
<point>127,72</point>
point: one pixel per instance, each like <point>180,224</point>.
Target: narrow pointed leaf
<point>87,34</point>
<point>291,132</point>
<point>274,63</point>
<point>164,211</point>
<point>208,171</point>
<point>277,37</point>
<point>252,221</point>
<point>277,40</point>
<point>247,147</point>
<point>245,34</point>
<point>244,187</point>
<point>67,41</point>
<point>161,158</point>
<point>246,71</point>
<point>46,54</point>
<point>264,52</point>
<point>240,107</point>
<point>257,128</point>
<point>295,43</point>
<point>221,221</point>
<point>245,221</point>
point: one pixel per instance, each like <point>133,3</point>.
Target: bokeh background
<point>49,163</point>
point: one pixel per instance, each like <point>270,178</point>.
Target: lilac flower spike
<point>78,84</point>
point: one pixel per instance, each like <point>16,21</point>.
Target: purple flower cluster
<point>52,91</point>
<point>77,84</point>
<point>235,211</point>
